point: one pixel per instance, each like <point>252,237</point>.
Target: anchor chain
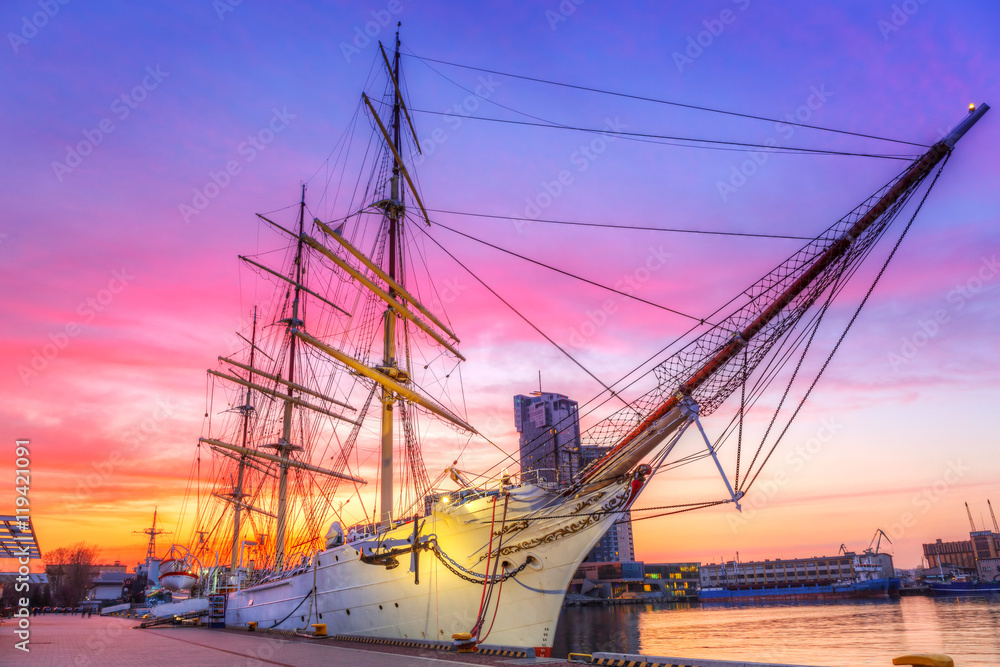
<point>469,575</point>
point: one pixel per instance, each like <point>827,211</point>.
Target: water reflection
<point>856,632</point>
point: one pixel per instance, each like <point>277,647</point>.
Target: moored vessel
<point>347,370</point>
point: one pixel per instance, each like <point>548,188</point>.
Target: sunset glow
<point>140,142</point>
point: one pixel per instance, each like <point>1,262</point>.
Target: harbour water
<point>851,632</point>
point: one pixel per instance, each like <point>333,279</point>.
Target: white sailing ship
<point>348,341</point>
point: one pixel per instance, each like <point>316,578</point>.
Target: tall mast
<point>284,445</point>
<point>152,532</point>
<point>246,409</point>
<point>394,212</point>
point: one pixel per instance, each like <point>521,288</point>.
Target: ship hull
<point>875,588</point>
<point>542,542</point>
<point>965,588</point>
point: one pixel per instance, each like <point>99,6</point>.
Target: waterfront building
<point>820,571</point>
<point>551,452</point>
<point>108,585</point>
<point>612,581</point>
<point>963,554</point>
<point>677,581</point>
<point>988,569</point>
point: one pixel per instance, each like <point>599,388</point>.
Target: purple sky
<point>101,261</point>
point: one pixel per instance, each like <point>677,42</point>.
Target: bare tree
<point>70,570</point>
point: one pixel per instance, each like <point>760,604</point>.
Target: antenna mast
<point>152,532</point>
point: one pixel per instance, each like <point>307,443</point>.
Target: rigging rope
<point>525,319</point>
<point>769,148</point>
<point>628,227</point>
<point>658,101</point>
<point>567,273</point>
<point>857,312</point>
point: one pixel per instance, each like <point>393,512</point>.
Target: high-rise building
<point>549,425</point>
<point>550,450</point>
<point>617,543</point>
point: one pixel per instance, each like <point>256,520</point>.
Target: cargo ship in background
<point>848,575</point>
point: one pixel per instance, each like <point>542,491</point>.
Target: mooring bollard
<point>929,659</point>
<point>319,629</point>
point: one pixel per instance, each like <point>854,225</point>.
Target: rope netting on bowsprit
<point>760,338</point>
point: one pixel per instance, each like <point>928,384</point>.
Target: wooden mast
<point>238,494</point>
<point>284,445</point>
<point>394,211</point>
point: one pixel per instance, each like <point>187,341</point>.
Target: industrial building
<point>819,571</point>
<point>979,555</point>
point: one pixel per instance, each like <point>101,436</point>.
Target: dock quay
<point>65,640</point>
<point>73,640</point>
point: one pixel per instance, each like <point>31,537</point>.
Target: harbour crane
<point>972,524</point>
<point>992,516</point>
<point>879,533</point>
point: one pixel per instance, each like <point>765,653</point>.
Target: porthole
<point>380,607</point>
<point>397,604</point>
<point>348,612</point>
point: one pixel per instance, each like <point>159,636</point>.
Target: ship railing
<point>542,478</point>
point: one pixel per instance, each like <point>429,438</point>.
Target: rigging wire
<point>627,227</point>
<point>567,273</point>
<point>525,319</point>
<point>854,318</point>
<point>768,148</point>
<point>667,102</point>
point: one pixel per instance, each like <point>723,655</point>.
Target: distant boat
<point>862,585</point>
<point>872,588</point>
<point>964,586</point>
